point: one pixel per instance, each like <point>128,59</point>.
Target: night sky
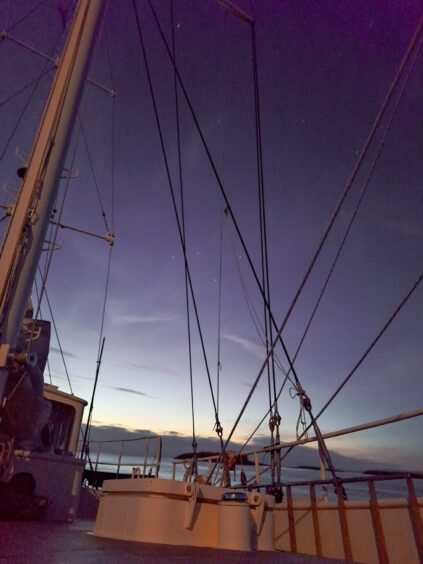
<point>324,70</point>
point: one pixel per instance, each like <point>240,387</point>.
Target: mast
<point>28,225</point>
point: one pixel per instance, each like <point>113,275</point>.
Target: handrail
<point>409,501</point>
<point>390,475</point>
<point>287,445</point>
<point>351,480</point>
<point>150,463</point>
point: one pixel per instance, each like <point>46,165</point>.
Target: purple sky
<point>324,69</point>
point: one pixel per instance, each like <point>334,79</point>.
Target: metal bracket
<point>192,490</point>
<point>53,246</point>
<point>258,502</point>
<point>4,35</point>
<point>136,473</point>
<point>70,174</point>
<point>24,158</point>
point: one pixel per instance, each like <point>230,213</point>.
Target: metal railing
<point>215,465</point>
<point>117,458</point>
<point>374,504</point>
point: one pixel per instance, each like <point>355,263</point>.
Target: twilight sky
<point>324,69</point>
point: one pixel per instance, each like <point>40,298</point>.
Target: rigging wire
<point>356,168</point>
<point>113,136</point>
<point>259,329</point>
<point>112,188</point>
<point>36,82</point>
<point>257,427</point>
<point>303,398</point>
<point>20,117</point>
<point>218,427</point>
<point>49,371</point>
<point>264,274</point>
<point>47,361</point>
<point>181,189</point>
<point>56,228</point>
<point>222,214</point>
<point>25,87</point>
<point>341,201</point>
<point>223,192</point>
<point>323,240</point>
<point>219,310</point>
<point>363,191</point>
<point>87,431</point>
<point>78,135</point>
<point>106,295</point>
<point>274,422</point>
<point>254,315</point>
<point>363,357</point>
<point>25,16</point>
<point>301,393</point>
<point>102,339</point>
<point>362,194</point>
<point>45,70</point>
<point>50,254</point>
<point>364,151</point>
<point>97,188</point>
<point>37,194</point>
<point>55,330</point>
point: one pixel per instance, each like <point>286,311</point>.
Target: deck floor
<point>46,542</point>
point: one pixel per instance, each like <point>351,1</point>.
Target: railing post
<point>158,457</point>
<point>315,515</point>
<point>119,459</point>
<point>343,520</point>
<point>145,457</point>
<point>415,517</point>
<point>377,524</point>
<point>257,467</point>
<point>291,520</point>
<point>98,455</point>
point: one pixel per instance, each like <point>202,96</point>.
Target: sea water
<point>355,491</point>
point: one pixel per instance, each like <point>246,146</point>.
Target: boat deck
<point>49,542</point>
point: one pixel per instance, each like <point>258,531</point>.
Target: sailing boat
<point>202,514</point>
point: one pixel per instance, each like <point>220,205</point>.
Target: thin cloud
<point>126,312</point>
<point>97,422</point>
<point>146,367</point>
<point>132,319</point>
<point>62,376</point>
<point>129,391</point>
<point>56,350</point>
<point>103,385</point>
<point>249,385</point>
<point>405,229</point>
<point>252,347</point>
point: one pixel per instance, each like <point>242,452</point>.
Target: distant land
<point>393,472</point>
<point>173,444</point>
<point>240,459</point>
